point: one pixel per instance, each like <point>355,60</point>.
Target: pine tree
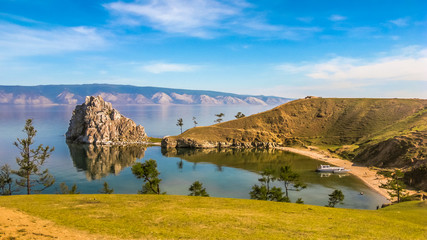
<point>240,115</point>
<point>6,180</point>
<point>335,197</point>
<point>147,171</point>
<point>290,179</point>
<point>195,122</point>
<point>395,185</point>
<point>31,161</point>
<point>219,117</point>
<point>197,189</point>
<point>180,123</point>
<point>106,189</point>
<point>63,189</point>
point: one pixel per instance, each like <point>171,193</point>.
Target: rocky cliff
<point>97,122</point>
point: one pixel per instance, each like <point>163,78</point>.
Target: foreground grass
<point>166,217</point>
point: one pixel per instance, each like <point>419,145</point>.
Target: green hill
<point>173,217</point>
<point>375,132</point>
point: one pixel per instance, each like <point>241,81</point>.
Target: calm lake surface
<point>226,173</point>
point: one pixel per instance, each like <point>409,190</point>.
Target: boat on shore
<point>329,169</point>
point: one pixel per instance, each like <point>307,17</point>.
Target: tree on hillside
<point>195,122</point>
<point>147,171</point>
<point>6,180</point>
<point>290,179</point>
<point>106,189</point>
<point>239,115</point>
<point>180,123</point>
<point>31,161</point>
<point>395,185</point>
<point>197,189</point>
<point>335,197</point>
<point>219,117</point>
<point>64,189</point>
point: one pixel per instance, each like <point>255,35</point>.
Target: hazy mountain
<point>125,94</point>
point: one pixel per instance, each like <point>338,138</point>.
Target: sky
<point>287,48</point>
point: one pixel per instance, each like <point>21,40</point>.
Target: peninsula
<point>385,133</point>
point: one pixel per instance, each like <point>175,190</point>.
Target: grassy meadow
<point>172,217</point>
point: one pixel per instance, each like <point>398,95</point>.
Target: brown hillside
<point>375,132</point>
<point>324,121</point>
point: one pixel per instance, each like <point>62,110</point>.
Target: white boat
<point>329,169</point>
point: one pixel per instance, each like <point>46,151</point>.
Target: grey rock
<point>97,122</point>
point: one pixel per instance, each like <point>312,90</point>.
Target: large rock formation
<point>97,122</point>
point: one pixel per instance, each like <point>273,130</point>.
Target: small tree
<point>395,185</point>
<point>197,189</point>
<point>180,123</point>
<point>240,115</point>
<point>219,117</point>
<point>63,189</point>
<point>335,197</point>
<point>147,171</point>
<point>31,161</point>
<point>195,122</point>
<point>290,179</point>
<point>6,180</point>
<point>106,189</point>
<point>264,192</point>
<point>300,201</point>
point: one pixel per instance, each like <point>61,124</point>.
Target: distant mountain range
<point>125,94</point>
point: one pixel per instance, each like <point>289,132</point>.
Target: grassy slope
<point>323,121</point>
<point>149,216</point>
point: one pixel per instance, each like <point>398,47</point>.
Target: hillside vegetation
<point>173,217</point>
<point>376,132</point>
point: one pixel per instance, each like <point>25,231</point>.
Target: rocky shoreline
<point>169,142</point>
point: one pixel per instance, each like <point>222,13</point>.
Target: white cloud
<point>305,19</point>
<point>408,66</point>
<point>157,68</point>
<point>176,16</point>
<point>400,22</point>
<point>16,40</point>
<point>202,18</point>
<point>337,18</point>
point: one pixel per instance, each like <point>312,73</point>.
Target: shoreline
<point>368,176</point>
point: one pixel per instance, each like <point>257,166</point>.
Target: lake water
<point>226,173</point>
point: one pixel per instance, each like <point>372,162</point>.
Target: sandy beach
<point>370,177</point>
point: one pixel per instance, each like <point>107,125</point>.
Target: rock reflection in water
<point>101,160</point>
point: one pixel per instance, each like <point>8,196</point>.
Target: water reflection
<point>100,161</point>
<point>229,162</point>
<point>254,160</point>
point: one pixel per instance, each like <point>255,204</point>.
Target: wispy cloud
<point>203,19</point>
<point>17,40</point>
<point>404,67</point>
<point>336,18</point>
<point>305,19</point>
<point>400,22</point>
<point>163,67</point>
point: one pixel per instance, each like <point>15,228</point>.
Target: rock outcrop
<point>97,122</point>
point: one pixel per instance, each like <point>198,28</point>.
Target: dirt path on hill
<point>18,225</point>
<point>370,177</point>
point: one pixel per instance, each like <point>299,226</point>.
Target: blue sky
<point>286,48</point>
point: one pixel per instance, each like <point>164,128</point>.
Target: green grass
<point>171,217</point>
<point>154,140</point>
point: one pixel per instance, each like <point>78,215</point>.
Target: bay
<point>226,173</point>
